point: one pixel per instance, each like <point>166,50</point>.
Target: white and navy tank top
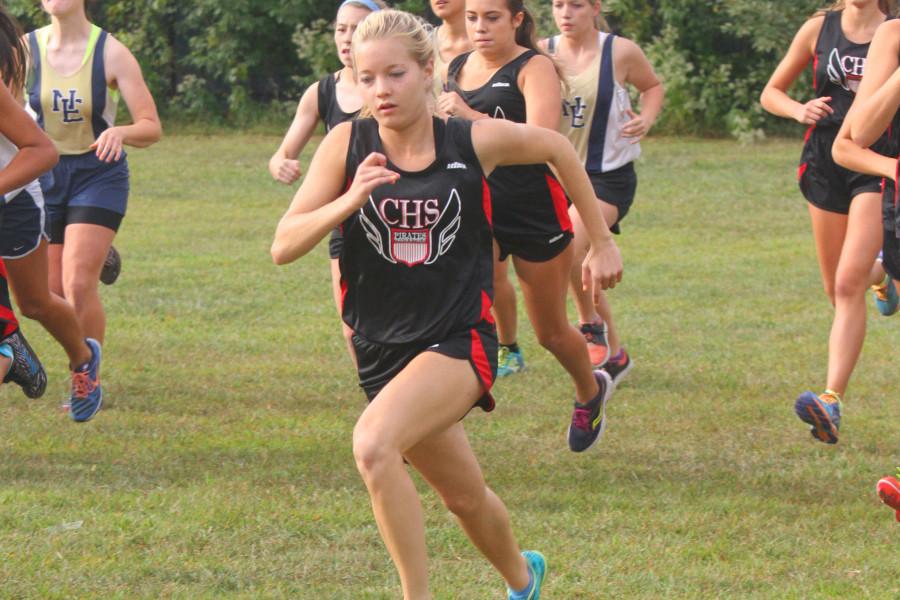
<point>417,263</point>
<point>73,109</point>
<point>8,152</point>
<point>595,108</point>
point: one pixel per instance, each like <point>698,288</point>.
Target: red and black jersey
<point>417,263</point>
<point>330,111</point>
<point>527,198</point>
<point>837,69</point>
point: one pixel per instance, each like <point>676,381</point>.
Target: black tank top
<point>329,110</point>
<point>837,70</point>
<point>417,263</point>
<point>528,201</point>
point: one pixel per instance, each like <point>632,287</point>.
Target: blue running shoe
<point>537,566</point>
<point>26,370</point>
<point>823,412</point>
<point>589,420</point>
<point>886,298</point>
<point>509,362</point>
<point>87,395</point>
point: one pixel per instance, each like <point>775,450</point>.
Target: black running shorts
<point>824,183</point>
<point>377,364</point>
<point>616,187</point>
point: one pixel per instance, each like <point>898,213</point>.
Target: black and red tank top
<point>417,263</point>
<point>330,111</point>
<point>837,69</point>
<point>527,199</point>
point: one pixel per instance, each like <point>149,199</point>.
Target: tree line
<point>237,62</point>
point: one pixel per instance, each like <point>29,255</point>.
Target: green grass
<point>221,466</point>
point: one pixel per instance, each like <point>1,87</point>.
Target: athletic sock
<point>523,594</point>
<point>7,351</point>
<point>833,394</point>
<point>514,347</point>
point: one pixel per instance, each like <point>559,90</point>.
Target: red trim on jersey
<point>808,133</point>
<point>816,67</point>
<point>486,308</point>
<point>3,269</point>
<point>486,202</point>
<point>560,203</point>
<point>801,170</point>
<point>480,360</point>
<point>343,293</point>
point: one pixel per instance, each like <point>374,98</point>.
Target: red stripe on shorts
<point>486,202</point>
<point>560,203</point>
<point>486,304</point>
<point>480,359</point>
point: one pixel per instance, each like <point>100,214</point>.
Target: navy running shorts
<point>379,363</point>
<point>825,184</point>
<point>23,223</point>
<point>83,189</point>
<point>616,187</point>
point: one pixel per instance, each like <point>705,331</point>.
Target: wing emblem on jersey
<point>845,71</point>
<point>499,114</point>
<point>413,245</point>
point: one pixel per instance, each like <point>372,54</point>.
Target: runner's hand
<point>371,173</point>
<point>602,268</point>
<point>815,109</point>
<point>108,146</point>
<point>636,128</point>
<point>284,170</point>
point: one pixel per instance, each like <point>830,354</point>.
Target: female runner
<point>844,206</point>
<point>78,73</point>
<point>331,100</point>
<point>505,77</point>
<point>25,153</point>
<point>410,193</point>
<point>598,118</point>
<point>450,38</point>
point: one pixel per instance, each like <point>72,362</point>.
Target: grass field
<point>221,466</point>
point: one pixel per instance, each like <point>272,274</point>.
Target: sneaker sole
<point>813,413</point>
<point>618,378</point>
<point>606,396</point>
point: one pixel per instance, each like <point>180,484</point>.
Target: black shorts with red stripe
<point>825,184</point>
<point>378,364</point>
<point>8,322</point>
<point>533,222</point>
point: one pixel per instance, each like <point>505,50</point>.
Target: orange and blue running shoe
<point>87,395</point>
<point>823,412</point>
<point>598,345</point>
<point>888,489</point>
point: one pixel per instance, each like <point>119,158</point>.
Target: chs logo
<point>412,232</point>
<point>845,71</point>
<point>69,110</point>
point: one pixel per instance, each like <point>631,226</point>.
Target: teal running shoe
<point>823,412</point>
<point>509,362</point>
<point>537,566</point>
<point>886,298</point>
